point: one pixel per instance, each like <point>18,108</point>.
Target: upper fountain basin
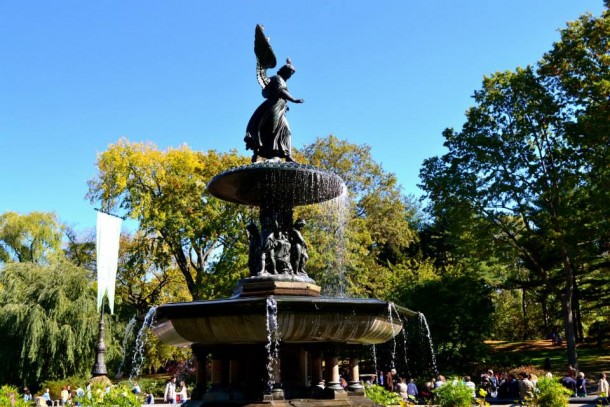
<point>277,184</point>
<point>299,320</point>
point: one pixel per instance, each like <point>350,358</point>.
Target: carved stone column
<point>332,372</point>
<point>316,367</point>
<point>354,384</point>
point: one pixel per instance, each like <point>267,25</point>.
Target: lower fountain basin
<point>300,320</point>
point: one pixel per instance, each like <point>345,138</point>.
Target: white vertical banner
<point>107,250</point>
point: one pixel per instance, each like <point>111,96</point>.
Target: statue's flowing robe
<point>268,133</point>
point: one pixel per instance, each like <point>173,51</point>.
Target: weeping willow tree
<point>48,322</point>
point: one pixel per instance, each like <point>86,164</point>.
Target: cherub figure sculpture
<point>268,133</point>
<point>298,249</point>
<point>256,257</point>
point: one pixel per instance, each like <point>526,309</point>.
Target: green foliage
<point>528,173</point>
<point>381,396</point>
<point>55,385</point>
<point>600,331</point>
<point>154,386</point>
<point>48,320</point>
<point>458,308</point>
<point>371,228</point>
<point>453,394</point>
<point>165,191</point>
<point>9,396</point>
<point>550,394</point>
<point>119,396</point>
<point>146,275</point>
<point>29,238</point>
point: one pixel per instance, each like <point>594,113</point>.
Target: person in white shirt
<point>602,388</point>
<point>470,384</point>
<point>170,391</point>
<point>183,392</point>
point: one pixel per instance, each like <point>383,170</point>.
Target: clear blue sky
<point>75,76</point>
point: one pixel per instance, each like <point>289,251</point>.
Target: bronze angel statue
<point>268,133</point>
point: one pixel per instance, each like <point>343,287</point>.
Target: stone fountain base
<point>231,340</point>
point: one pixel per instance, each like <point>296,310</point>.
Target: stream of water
<point>138,355</point>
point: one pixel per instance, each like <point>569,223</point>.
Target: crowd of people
<point>173,394</point>
<point>490,385</point>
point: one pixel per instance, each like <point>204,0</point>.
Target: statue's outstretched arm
<point>285,95</point>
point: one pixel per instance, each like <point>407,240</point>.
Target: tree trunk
<point>567,309</point>
<point>578,328</point>
<point>545,313</point>
<point>524,310</point>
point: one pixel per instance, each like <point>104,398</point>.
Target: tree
<point>147,275</point>
<point>48,321</point>
<point>371,227</point>
<point>459,310</point>
<point>165,191</point>
<point>518,164</point>
<point>29,238</point>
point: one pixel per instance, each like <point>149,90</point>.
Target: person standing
<point>170,391</point>
<point>183,393</point>
<point>470,384</point>
<point>401,388</point>
<point>412,389</point>
<point>526,388</point>
<point>602,388</point>
<point>64,396</point>
<point>391,380</point>
<point>581,385</point>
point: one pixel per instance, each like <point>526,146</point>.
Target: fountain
<point>277,338</point>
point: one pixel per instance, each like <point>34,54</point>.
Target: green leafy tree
<point>520,166</point>
<point>459,312</point>
<point>48,321</point>
<point>371,226</point>
<point>79,248</point>
<point>165,191</point>
<point>147,275</point>
<point>32,237</point>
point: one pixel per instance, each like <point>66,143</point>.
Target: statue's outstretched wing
<point>265,58</point>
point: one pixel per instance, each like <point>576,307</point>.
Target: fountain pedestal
<point>266,287</point>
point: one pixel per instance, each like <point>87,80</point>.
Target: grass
<point>592,360</point>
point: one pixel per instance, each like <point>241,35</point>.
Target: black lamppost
<point>99,368</point>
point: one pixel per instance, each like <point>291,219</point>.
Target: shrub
<point>10,393</point>
<point>526,369</point>
<point>550,394</point>
<point>381,396</point>
<point>453,394</point>
<point>55,386</point>
<point>155,386</point>
<point>118,396</point>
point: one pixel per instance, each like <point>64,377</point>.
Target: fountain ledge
<point>301,319</point>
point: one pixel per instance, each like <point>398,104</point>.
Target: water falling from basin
<point>273,343</point>
<point>138,356</point>
<point>128,332</point>
<point>428,338</point>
